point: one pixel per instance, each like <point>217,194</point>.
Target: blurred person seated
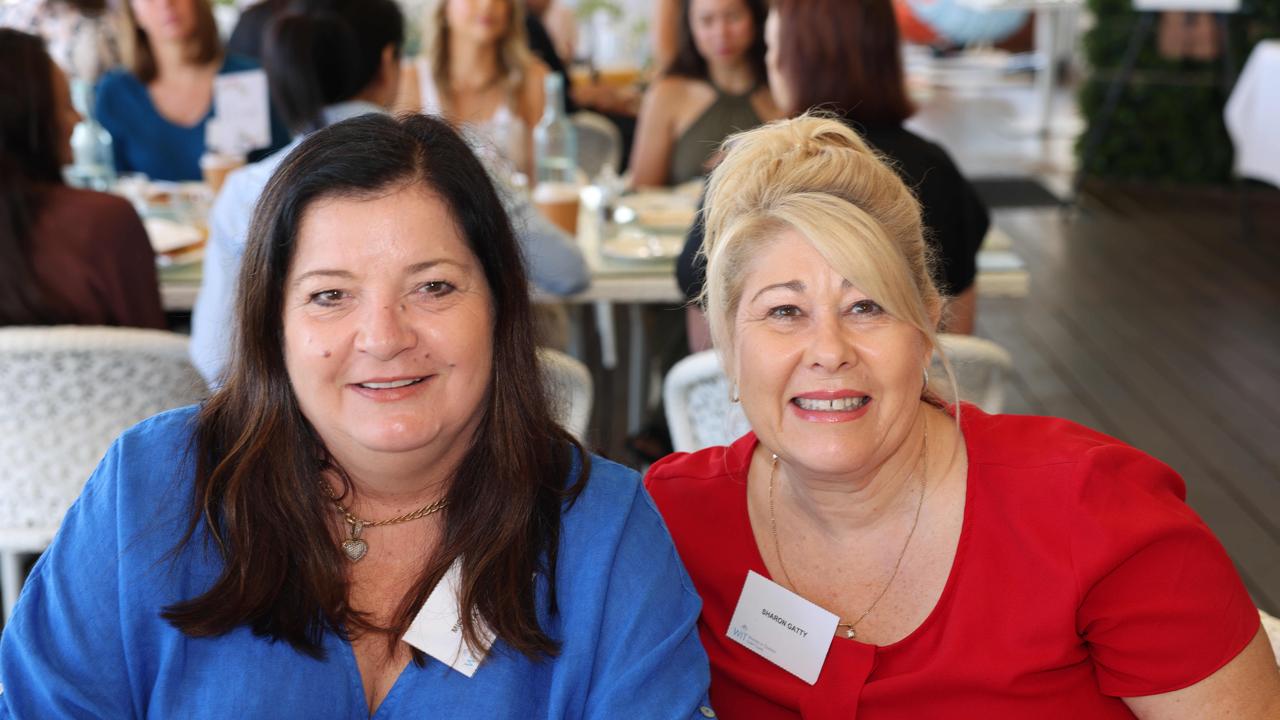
<point>476,70</point>
<point>715,86</point>
<point>67,256</point>
<point>543,48</point>
<point>377,514</point>
<point>156,108</point>
<point>329,60</point>
<point>963,564</point>
<point>844,56</point>
<point>250,32</point>
<point>560,25</point>
<point>77,33</point>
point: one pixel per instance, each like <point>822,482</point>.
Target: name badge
<point>437,629</point>
<point>782,627</point>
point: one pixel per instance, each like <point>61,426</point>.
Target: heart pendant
<point>355,548</point>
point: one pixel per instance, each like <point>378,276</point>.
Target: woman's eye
<point>437,288</point>
<point>784,312</point>
<point>866,307</point>
<point>327,298</point>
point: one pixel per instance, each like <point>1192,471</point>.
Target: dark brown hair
<point>258,459</point>
<point>29,163</point>
<point>689,63</point>
<point>136,47</point>
<point>843,56</point>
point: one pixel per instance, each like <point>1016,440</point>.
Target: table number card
<point>782,627</point>
<point>242,115</point>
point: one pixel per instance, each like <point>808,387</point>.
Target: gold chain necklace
<point>850,628</point>
<point>356,547</point>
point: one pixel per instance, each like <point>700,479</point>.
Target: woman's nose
<point>830,347</point>
<point>385,331</point>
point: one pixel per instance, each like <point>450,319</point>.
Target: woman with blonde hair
<point>476,70</point>
<point>878,551</point>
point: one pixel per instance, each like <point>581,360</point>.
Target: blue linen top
<point>87,641</point>
<point>147,142</point>
<point>555,262</point>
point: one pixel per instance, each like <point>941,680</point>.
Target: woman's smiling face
<point>388,327</point>
<point>828,379</point>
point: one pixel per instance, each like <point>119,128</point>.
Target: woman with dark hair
<point>66,255</point>
<point>715,86</point>
<point>377,512</point>
<point>157,106</point>
<point>326,61</point>
<point>845,56</point>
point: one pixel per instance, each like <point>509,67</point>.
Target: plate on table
<point>173,242</point>
<point>661,210</point>
<point>634,244</point>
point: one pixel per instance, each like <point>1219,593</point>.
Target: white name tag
<point>782,627</point>
<point>437,630</point>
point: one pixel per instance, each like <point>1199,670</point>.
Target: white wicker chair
<point>599,143</point>
<point>571,390</point>
<point>698,403</point>
<point>981,367</point>
<point>65,394</point>
<point>701,414</point>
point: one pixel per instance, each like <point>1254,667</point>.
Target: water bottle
<point>555,144</point>
<point>93,164</point>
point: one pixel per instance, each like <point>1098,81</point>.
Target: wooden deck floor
<point>1150,319</point>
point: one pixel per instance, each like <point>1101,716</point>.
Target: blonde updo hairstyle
<point>514,56</point>
<point>817,176</point>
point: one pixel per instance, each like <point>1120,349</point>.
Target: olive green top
<point>727,115</point>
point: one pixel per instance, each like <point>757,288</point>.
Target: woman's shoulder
<point>688,479</point>
<point>1029,440</point>
<point>1082,461</point>
<point>118,81</point>
<point>232,63</point>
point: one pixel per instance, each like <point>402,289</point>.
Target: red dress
<point>1081,577</point>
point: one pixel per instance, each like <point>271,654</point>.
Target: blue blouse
<point>147,142</point>
<point>87,641</point>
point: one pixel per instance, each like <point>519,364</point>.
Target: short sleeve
<point>1161,605</point>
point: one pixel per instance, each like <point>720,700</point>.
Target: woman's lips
<point>831,406</point>
<point>390,389</point>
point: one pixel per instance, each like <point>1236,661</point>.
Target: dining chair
<point>65,394</point>
<point>571,390</point>
<point>599,143</point>
<point>700,411</point>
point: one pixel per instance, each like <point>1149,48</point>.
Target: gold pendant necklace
<point>356,547</point>
<point>850,628</point>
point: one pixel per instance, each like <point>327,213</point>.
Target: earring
<point>735,398</point>
<point>926,380</point>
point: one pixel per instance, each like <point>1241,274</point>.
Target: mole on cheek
<point>326,353</point>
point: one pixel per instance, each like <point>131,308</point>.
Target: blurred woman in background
<point>476,71</point>
<point>715,86</point>
<point>66,255</point>
<point>157,107</point>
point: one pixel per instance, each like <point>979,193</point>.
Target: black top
<point>250,32</point>
<point>954,216</point>
<point>540,44</point>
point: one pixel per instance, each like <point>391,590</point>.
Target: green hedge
<point>1168,126</point>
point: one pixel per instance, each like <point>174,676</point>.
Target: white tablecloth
<point>1253,115</point>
